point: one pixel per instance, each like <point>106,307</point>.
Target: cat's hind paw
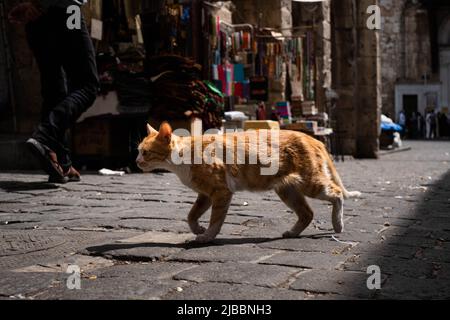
<point>289,235</point>
<point>338,228</point>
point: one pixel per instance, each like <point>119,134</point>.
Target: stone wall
<point>417,44</point>
<point>406,53</point>
<point>4,103</point>
<point>25,80</point>
<point>263,13</point>
<point>344,75</point>
<point>356,78</point>
<point>392,50</point>
<point>368,84</point>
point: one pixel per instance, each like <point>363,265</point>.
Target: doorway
<point>410,104</point>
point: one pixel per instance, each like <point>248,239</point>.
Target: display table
<point>323,135</point>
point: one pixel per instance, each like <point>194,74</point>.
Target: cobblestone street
<point>129,237</point>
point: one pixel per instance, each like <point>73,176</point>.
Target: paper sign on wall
<point>96,29</point>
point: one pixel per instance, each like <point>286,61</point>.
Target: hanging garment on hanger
<point>296,84</point>
<point>213,32</point>
<point>229,79</point>
<point>215,72</point>
<point>239,72</point>
<point>246,41</point>
<point>238,89</point>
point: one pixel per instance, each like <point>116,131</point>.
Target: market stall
<point>146,75</point>
<point>186,62</point>
<point>255,66</point>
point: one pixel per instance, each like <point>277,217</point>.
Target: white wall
<point>421,90</point>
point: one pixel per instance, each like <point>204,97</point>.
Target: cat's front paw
<point>198,230</point>
<point>203,238</point>
<point>338,226</point>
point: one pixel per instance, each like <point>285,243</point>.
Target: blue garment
<point>386,126</point>
<point>239,73</point>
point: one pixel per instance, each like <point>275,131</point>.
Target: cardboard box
<point>304,126</point>
<point>309,108</point>
<point>261,125</point>
<point>248,109</point>
<point>296,109</point>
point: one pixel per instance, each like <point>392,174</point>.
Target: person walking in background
<point>69,80</point>
<point>443,124</point>
<point>447,125</point>
<point>402,121</point>
<point>413,126</point>
<point>431,125</point>
<point>420,126</point>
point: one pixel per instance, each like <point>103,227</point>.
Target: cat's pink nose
<point>140,161</point>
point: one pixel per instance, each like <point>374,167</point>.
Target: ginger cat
<point>304,168</point>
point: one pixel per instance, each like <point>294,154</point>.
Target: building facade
<point>415,55</point>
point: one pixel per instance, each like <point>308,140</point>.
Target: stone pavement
<point>128,235</point>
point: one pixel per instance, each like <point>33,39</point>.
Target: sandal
<point>48,161</point>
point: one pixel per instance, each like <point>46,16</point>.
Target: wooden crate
<point>101,136</point>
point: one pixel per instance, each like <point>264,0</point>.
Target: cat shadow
<point>14,186</point>
<point>243,240</point>
<point>228,241</point>
<point>220,242</point>
<point>102,249</point>
<point>105,248</point>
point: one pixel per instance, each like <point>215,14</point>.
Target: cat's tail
<point>351,194</point>
<point>337,179</point>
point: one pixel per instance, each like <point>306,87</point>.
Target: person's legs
<point>76,54</point>
<point>41,40</point>
<point>41,37</point>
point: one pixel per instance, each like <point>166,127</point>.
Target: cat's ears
<point>151,130</point>
<point>165,132</point>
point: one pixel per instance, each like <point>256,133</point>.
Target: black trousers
<point>69,80</point>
